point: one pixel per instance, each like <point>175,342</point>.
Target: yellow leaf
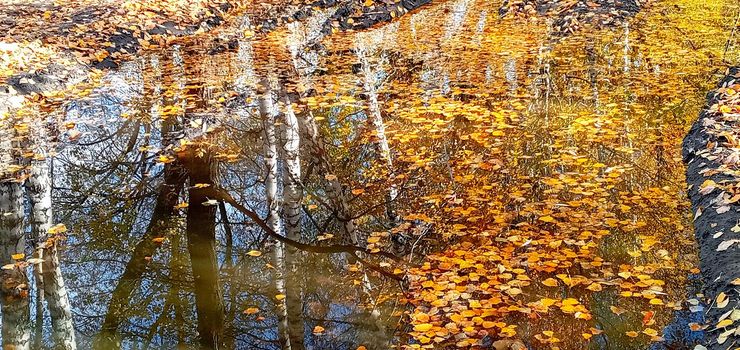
<point>318,330</point>
<point>18,256</point>
<point>423,327</point>
<point>280,296</point>
<point>722,300</point>
<point>56,229</point>
<point>724,323</point>
<point>632,334</point>
<point>651,332</point>
<point>547,218</point>
<point>165,159</point>
<point>251,311</point>
<point>254,253</point>
<point>550,282</point>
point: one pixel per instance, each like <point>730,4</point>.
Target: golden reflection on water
<point>540,174</point>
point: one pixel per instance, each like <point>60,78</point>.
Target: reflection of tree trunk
<point>304,65</point>
<point>293,195</point>
<point>334,190</point>
<point>172,301</point>
<point>137,265</point>
<point>38,325</point>
<point>16,311</point>
<point>201,233</point>
<point>305,59</point>
<point>49,273</point>
<point>179,274</point>
<point>230,336</point>
<point>376,119</point>
<point>269,112</point>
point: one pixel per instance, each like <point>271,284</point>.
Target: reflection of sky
<point>95,256</point>
<point>92,179</point>
<point>678,334</point>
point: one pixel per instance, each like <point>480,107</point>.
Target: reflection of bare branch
<point>375,268</point>
<point>384,203</point>
<point>349,249</point>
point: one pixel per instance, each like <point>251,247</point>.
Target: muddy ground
<point>718,268</point>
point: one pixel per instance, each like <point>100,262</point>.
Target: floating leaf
<point>251,310</point>
<point>210,202</point>
<point>550,282</point>
<point>57,229</point>
<point>547,218</point>
<point>617,310</point>
<point>423,327</point>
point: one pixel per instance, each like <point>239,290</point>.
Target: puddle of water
<point>529,185</point>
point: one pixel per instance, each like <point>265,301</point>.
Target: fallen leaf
<point>722,300</point>
<point>423,327</point>
<point>251,311</point>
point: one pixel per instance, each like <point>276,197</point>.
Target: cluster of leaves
<point>718,161</point>
<point>106,33</point>
<point>571,16</point>
<point>554,188</point>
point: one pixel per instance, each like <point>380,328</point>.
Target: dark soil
<point>718,269</point>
